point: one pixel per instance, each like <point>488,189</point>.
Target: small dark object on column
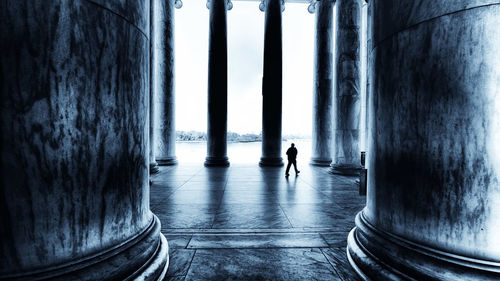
<point>363,175</point>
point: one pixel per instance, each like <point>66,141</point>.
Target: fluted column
<point>323,75</point>
<point>217,85</point>
<point>434,157</point>
<point>347,100</point>
<point>272,86</point>
<point>74,97</point>
<point>162,52</point>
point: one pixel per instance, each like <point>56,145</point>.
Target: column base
<point>345,170</point>
<point>378,255</point>
<point>143,257</point>
<point>153,168</point>
<point>216,162</point>
<point>322,162</point>
<point>167,161</point>
<point>271,162</point>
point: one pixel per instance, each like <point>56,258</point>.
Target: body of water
<point>239,152</point>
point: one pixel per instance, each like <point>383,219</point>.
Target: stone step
<point>258,240</point>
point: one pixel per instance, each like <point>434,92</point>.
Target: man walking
<point>292,159</point>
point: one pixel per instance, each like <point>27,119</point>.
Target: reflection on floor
<point>250,223</point>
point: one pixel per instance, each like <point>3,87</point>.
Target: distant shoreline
<point>236,141</point>
<point>194,136</point>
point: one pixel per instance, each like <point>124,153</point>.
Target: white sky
<point>245,52</point>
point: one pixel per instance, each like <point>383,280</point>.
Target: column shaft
<point>217,85</point>
<point>74,97</point>
<point>433,160</point>
<point>153,165</point>
<point>272,86</point>
<point>163,82</point>
<point>323,75</point>
<point>347,101</point>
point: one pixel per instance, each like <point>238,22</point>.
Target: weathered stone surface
<point>131,11</point>
<point>179,262</point>
<point>73,137</point>
<point>397,16</point>
<point>347,99</point>
<point>337,258</point>
<point>162,81</point>
<point>433,157</point>
<point>435,132</point>
<point>323,75</point>
<point>265,264</point>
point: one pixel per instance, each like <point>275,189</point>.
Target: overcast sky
<point>245,52</point>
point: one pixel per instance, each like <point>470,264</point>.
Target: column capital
<point>263,5</point>
<point>178,4</point>
<point>312,6</point>
<point>229,4</point>
<point>313,3</point>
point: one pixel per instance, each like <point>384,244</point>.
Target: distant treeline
<point>231,136</point>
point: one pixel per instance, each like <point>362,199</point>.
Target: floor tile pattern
<point>246,222</point>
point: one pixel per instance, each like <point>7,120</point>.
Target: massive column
<point>272,86</point>
<point>347,100</point>
<point>74,95</point>
<point>322,95</point>
<point>217,85</point>
<point>433,160</point>
<point>162,84</point>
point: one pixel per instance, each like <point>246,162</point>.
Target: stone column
<point>365,49</point>
<point>217,85</point>
<point>323,75</point>
<point>153,165</point>
<point>434,157</point>
<point>347,100</point>
<point>272,86</point>
<point>162,65</point>
<point>74,96</point>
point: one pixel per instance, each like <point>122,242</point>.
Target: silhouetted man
<point>292,159</point>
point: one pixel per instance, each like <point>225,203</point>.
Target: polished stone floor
<point>251,223</point>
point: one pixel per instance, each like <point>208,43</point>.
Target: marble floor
<point>245,222</point>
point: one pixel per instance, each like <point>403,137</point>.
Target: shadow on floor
<point>246,222</point>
